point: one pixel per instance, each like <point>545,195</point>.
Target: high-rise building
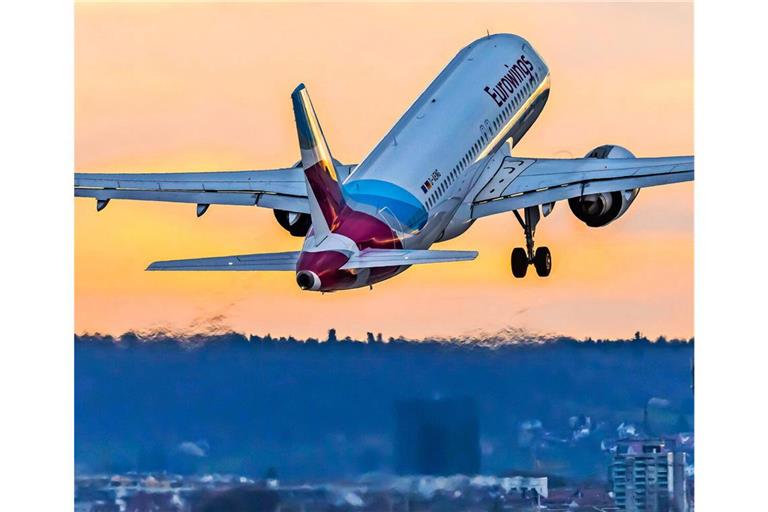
<point>648,476</point>
<point>437,437</point>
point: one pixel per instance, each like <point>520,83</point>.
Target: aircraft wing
<point>522,182</point>
<point>282,189</point>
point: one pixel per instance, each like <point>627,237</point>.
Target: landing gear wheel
<point>519,261</point>
<point>543,261</point>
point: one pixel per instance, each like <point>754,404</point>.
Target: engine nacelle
<point>297,224</point>
<point>597,210</point>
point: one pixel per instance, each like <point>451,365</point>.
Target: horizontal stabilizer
<point>371,258</point>
<point>267,261</point>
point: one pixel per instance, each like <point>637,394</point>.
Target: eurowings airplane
<point>445,163</point>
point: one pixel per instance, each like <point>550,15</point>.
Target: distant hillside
<point>325,410</point>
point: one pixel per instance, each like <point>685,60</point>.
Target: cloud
<point>658,402</point>
<point>195,449</point>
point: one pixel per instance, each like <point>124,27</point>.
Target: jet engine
<point>598,210</point>
<point>297,224</point>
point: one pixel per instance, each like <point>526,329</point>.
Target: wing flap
<point>289,203</point>
<point>247,262</point>
<point>372,258</point>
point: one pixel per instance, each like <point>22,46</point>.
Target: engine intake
<point>598,210</point>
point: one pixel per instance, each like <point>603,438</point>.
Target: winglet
<point>323,187</point>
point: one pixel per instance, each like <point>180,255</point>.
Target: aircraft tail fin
<point>323,185</point>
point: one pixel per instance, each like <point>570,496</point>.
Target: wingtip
<point>298,88</point>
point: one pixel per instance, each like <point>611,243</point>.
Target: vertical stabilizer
<point>323,187</point>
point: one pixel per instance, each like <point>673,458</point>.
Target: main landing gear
<point>541,258</point>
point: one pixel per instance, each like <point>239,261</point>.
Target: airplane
<point>446,163</point>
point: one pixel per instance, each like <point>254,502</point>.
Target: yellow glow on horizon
<point>172,87</point>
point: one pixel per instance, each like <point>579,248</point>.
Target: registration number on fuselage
<point>431,180</point>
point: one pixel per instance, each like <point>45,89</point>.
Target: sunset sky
<point>194,87</point>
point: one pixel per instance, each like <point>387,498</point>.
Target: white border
<point>36,157</point>
<point>37,256</point>
<point>730,259</point>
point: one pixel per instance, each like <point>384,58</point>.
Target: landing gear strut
<point>541,258</point>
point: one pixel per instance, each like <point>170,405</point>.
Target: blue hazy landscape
<point>308,409</point>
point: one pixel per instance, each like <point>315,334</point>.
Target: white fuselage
<point>488,95</point>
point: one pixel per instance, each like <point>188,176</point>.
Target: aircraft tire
<point>542,260</point>
<point>519,261</point>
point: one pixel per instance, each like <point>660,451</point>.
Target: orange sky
<point>172,87</point>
